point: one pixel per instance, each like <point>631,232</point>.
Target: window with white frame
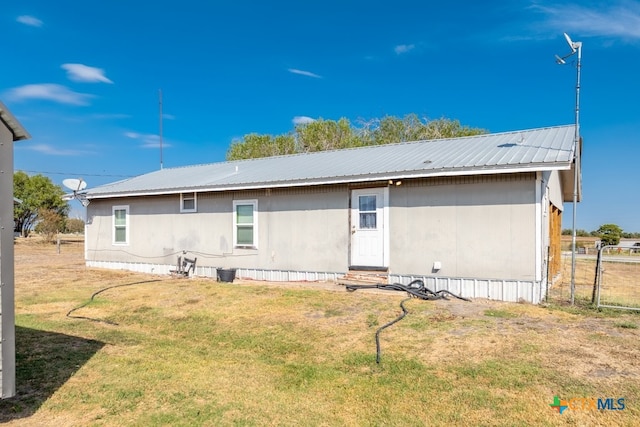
<point>245,223</point>
<point>188,202</point>
<point>121,225</point>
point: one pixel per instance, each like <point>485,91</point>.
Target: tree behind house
<point>74,225</point>
<point>50,223</point>
<point>609,234</point>
<point>322,135</point>
<point>37,194</point>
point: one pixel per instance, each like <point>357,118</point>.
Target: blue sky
<point>83,77</point>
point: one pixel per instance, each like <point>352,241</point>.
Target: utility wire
<point>77,174</point>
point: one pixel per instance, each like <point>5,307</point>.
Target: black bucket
<point>226,274</point>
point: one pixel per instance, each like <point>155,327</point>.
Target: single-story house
<point>10,131</point>
<point>478,215</point>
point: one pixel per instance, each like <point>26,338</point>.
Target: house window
<point>121,225</point>
<point>245,223</point>
<point>188,202</point>
<point>368,213</point>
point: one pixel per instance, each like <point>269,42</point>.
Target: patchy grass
<point>627,325</point>
<point>185,352</point>
<point>502,314</point>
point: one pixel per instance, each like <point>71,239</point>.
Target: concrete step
<point>363,277</point>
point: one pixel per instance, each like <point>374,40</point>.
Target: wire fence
<point>613,282</point>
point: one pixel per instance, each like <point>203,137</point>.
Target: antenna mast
<point>160,119</point>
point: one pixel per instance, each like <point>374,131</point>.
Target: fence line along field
<point>157,350</point>
<point>619,284</point>
<point>619,280</point>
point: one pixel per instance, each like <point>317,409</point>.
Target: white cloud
<point>50,92</point>
<point>29,20</point>
<point>620,19</point>
<point>147,140</point>
<point>53,151</point>
<point>403,48</point>
<point>302,120</point>
<point>168,116</point>
<point>304,73</point>
<point>111,116</point>
<point>84,73</point>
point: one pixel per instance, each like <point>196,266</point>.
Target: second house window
<point>245,223</point>
<point>188,202</point>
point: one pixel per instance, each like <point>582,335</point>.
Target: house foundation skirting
<point>530,291</point>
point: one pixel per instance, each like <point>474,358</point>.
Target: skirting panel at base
<point>494,289</point>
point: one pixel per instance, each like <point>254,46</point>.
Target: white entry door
<point>368,222</point>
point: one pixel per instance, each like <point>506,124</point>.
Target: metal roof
<point>549,148</point>
<point>14,126</point>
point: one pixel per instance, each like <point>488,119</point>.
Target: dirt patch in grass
<point>155,350</point>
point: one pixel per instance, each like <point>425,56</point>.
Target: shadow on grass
<point>44,362</point>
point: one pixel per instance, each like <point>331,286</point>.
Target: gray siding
<point>478,227</point>
<point>7,317</point>
<point>481,227</point>
<point>298,229</point>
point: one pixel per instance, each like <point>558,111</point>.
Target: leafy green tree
<point>582,233</point>
<point>389,129</point>
<point>254,146</point>
<point>321,135</point>
<point>37,193</point>
<point>629,235</point>
<point>609,234</point>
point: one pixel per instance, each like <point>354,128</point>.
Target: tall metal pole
<point>576,172</point>
<point>160,119</point>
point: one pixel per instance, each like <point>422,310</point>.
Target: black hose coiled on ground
<point>415,289</point>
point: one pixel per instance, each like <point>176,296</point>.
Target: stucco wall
<point>481,227</point>
<point>298,229</point>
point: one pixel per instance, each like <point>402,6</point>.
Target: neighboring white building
<point>10,131</point>
<point>474,215</point>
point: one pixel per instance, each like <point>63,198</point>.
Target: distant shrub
<point>74,225</point>
<point>49,224</point>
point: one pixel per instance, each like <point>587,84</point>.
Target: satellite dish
<point>74,184</point>
<point>572,45</point>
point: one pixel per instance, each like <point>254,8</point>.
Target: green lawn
<point>189,352</point>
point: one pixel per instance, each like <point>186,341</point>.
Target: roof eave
<point>19,133</point>
<point>434,173</point>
